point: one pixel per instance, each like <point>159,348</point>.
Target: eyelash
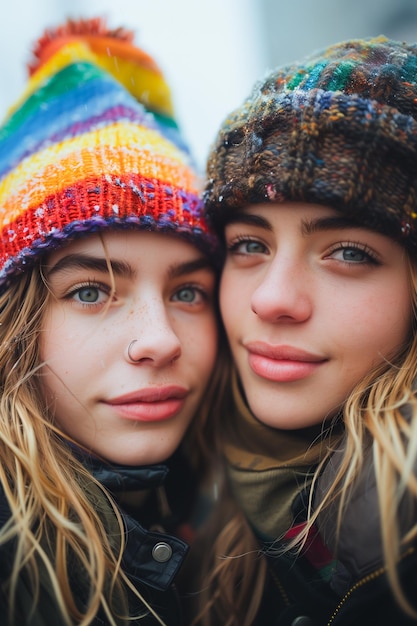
<point>196,288</point>
<point>370,255</point>
<point>200,291</point>
<point>88,285</point>
<point>233,246</point>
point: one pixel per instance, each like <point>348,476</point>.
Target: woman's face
<point>310,303</point>
<point>131,408</point>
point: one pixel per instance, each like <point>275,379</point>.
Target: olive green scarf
<point>268,467</point>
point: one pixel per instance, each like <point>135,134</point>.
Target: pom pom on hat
<point>112,50</point>
<point>92,144</point>
<point>339,129</point>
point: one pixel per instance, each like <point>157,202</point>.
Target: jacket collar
<point>117,478</point>
<point>150,557</point>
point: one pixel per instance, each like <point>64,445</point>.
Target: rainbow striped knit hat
<point>339,129</point>
<point>92,144</point>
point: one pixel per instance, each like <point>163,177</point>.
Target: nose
<point>154,341</point>
<point>284,293</point>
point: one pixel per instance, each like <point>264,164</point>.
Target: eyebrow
<point>330,222</point>
<point>248,218</point>
<point>121,268</point>
<point>308,226</point>
<point>86,262</point>
<point>180,269</point>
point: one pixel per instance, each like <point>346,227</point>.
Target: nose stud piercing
<point>128,352</point>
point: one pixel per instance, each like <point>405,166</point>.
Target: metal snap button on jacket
<point>162,552</point>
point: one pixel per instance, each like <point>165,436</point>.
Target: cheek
<point>380,325</point>
<point>64,349</point>
<point>233,300</point>
<point>198,336</point>
<point>206,344</point>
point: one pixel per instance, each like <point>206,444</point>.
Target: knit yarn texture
<point>337,129</point>
<point>92,144</point>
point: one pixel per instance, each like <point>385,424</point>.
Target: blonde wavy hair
<point>234,569</point>
<point>51,515</point>
<point>53,521</point>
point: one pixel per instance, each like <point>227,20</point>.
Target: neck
<point>248,442</point>
<point>267,468</point>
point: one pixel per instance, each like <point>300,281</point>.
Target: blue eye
<point>186,294</point>
<point>245,245</point>
<point>254,247</point>
<point>191,295</point>
<point>88,295</point>
<point>354,254</point>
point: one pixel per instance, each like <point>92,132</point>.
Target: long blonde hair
<point>54,526</point>
<point>234,572</point>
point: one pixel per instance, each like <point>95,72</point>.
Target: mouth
<point>154,404</point>
<point>282,363</point>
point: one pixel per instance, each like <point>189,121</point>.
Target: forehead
<point>124,243</point>
<point>267,214</point>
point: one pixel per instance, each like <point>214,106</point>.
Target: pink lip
<point>154,404</point>
<point>282,363</point>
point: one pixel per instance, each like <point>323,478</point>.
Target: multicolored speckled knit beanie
<point>338,129</point>
<point>92,144</point>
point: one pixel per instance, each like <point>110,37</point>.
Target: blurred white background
<point>211,51</point>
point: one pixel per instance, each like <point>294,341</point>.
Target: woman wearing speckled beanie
<point>312,185</point>
<point>108,336</point>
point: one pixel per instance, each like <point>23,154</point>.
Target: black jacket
<point>151,558</point>
<point>352,589</point>
<point>296,596</point>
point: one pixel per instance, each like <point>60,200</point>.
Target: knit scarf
<point>268,467</point>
